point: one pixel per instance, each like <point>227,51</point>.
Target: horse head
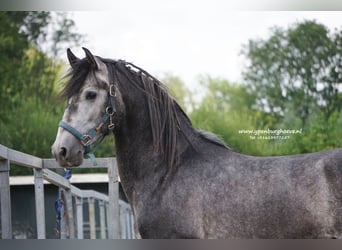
<point>91,112</point>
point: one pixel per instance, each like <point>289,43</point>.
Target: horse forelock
<point>76,78</point>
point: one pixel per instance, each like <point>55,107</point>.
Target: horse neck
<point>138,160</point>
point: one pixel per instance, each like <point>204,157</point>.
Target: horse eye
<point>90,95</point>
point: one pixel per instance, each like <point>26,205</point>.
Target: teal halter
<point>86,138</point>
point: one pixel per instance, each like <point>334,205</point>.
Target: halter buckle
<point>112,90</point>
<point>86,139</point>
<point>111,126</point>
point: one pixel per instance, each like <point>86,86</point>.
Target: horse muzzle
<point>68,154</point>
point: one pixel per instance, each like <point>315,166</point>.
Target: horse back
<point>296,196</point>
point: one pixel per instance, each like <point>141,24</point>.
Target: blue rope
<point>59,203</point>
<point>67,174</point>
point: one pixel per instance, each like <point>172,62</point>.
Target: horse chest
<point>167,218</point>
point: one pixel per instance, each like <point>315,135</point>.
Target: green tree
<point>179,91</point>
<point>29,79</point>
<point>225,109</point>
<point>227,95</point>
<point>301,65</point>
<point>12,48</point>
<point>24,68</point>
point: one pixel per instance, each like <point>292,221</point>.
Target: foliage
<point>226,109</point>
<point>179,91</point>
<point>31,130</point>
<point>24,67</point>
<point>300,65</point>
<point>29,82</point>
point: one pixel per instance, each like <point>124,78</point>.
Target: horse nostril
<point>63,152</point>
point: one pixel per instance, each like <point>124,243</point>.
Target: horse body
<point>232,195</point>
<point>185,183</point>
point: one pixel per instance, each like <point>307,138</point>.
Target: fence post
<point>132,231</point>
<point>107,216</point>
<point>102,220</point>
<point>63,221</point>
<point>5,200</point>
<point>122,222</point>
<point>40,206</point>
<point>113,196</point>
<point>79,217</point>
<point>91,204</point>
<point>128,225</point>
<point>70,213</point>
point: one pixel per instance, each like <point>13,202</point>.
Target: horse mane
<point>213,138</point>
<point>164,111</point>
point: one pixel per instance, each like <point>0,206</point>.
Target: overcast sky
<point>184,40</point>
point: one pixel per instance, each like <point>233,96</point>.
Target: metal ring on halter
<point>110,111</point>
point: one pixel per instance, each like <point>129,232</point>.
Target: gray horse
<point>185,183</point>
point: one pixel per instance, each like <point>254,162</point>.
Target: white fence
<point>116,219</point>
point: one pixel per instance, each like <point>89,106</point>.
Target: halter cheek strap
<point>86,139</point>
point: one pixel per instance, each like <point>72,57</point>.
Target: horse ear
<point>73,60</point>
<point>90,58</point>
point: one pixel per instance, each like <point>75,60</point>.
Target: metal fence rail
<point>116,219</point>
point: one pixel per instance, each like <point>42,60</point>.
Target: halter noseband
<point>86,138</point>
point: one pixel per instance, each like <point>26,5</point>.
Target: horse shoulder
<point>173,212</point>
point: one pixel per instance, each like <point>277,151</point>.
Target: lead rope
<point>59,203</point>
